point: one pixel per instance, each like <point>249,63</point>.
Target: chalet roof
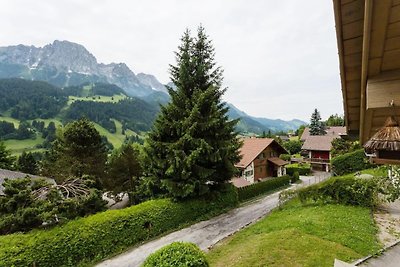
<point>15,175</point>
<point>251,148</point>
<point>335,131</point>
<point>240,182</point>
<point>318,143</point>
<point>278,161</point>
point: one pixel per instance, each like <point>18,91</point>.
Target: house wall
<point>263,168</point>
<point>320,154</point>
<point>248,173</point>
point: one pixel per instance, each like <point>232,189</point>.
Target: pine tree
<point>27,163</point>
<point>6,159</point>
<point>193,145</point>
<point>316,125</point>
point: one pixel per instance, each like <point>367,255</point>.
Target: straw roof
<point>387,138</point>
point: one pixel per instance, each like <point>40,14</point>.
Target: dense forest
<point>134,114</point>
<point>30,99</point>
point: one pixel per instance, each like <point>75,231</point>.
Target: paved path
<point>390,258</point>
<point>207,233</point>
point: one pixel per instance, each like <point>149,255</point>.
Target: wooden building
<point>368,36</point>
<point>260,159</point>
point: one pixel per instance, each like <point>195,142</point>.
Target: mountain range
<point>64,64</point>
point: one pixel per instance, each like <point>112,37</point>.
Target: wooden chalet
<point>368,36</point>
<point>260,159</point>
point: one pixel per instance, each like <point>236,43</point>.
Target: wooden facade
<point>368,36</point>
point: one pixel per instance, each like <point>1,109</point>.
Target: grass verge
<point>297,235</point>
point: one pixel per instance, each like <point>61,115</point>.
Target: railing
<point>317,160</point>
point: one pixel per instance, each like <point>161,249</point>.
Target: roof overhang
<point>368,37</point>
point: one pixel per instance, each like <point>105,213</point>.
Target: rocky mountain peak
<point>151,81</point>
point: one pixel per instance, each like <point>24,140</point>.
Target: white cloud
<point>280,57</point>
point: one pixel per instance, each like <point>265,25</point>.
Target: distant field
<point>9,119</point>
<point>27,145</point>
<point>97,98</point>
<point>116,139</point>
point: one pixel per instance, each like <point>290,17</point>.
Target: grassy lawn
<point>297,235</point>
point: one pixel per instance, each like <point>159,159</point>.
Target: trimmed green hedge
<point>177,254</point>
<point>256,189</point>
<point>96,237</point>
<point>302,169</point>
<point>350,162</point>
<point>343,190</point>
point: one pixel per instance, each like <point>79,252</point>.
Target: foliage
<point>23,208</point>
<point>350,162</point>
<point>286,157</point>
<point>295,177</point>
<point>124,171</point>
<point>98,236</point>
<point>177,254</point>
<point>193,145</point>
<point>300,131</point>
<point>30,99</point>
<point>301,168</point>
<point>27,163</point>
<point>78,150</point>
<point>256,189</point>
<point>316,125</point>
<point>6,160</point>
<point>335,120</point>
<point>301,235</point>
<point>293,146</point>
<point>341,146</point>
<point>342,190</point>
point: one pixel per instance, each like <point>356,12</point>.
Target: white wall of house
<point>248,173</point>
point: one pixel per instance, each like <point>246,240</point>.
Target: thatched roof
<point>387,138</point>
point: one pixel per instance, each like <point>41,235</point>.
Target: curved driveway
<point>207,233</point>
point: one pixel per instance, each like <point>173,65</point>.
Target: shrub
<point>285,157</point>
<point>256,189</point>
<point>350,162</point>
<point>177,254</point>
<point>95,237</point>
<point>295,177</point>
<point>343,190</point>
<point>302,169</point>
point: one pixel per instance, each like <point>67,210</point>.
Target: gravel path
<point>207,233</point>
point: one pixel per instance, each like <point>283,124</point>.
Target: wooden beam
<point>364,64</point>
<point>339,38</point>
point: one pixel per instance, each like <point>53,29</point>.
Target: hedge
<point>177,254</point>
<point>343,190</point>
<point>256,189</point>
<point>350,162</point>
<point>302,169</point>
<point>96,237</point>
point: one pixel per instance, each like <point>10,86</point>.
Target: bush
<point>98,236</point>
<point>295,177</point>
<point>302,169</point>
<point>285,157</point>
<point>256,189</point>
<point>350,162</point>
<point>177,254</point>
<point>343,190</point>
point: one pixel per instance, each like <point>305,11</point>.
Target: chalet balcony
<point>317,160</point>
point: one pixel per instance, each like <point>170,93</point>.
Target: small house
<point>260,159</point>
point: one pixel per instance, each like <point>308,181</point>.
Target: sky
<point>280,57</point>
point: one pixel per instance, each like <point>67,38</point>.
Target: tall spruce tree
<point>316,125</point>
<point>193,145</point>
